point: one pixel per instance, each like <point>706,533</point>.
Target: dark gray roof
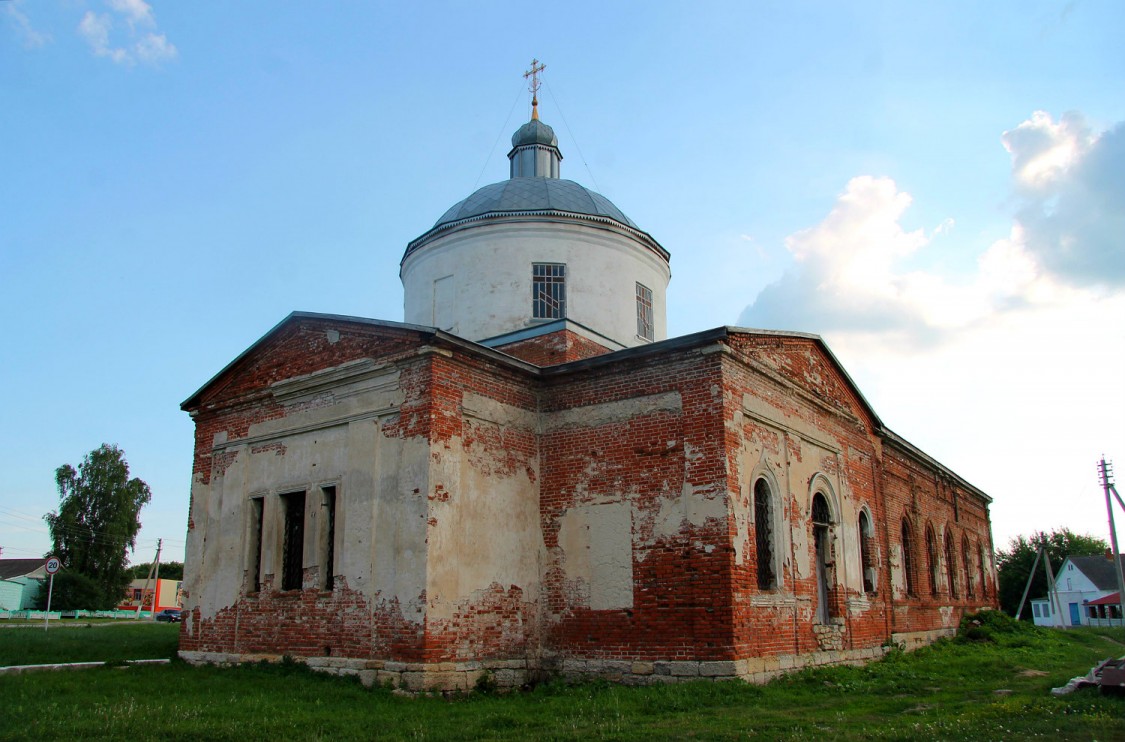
<point>1099,569</point>
<point>10,568</point>
<point>534,195</point>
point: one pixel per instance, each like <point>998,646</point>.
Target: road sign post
<point>51,566</point>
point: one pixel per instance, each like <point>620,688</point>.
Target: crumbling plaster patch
<point>605,413</point>
<point>485,481</point>
<point>596,545</point>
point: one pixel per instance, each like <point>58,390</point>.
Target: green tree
<point>71,591</point>
<point>168,570</point>
<point>1014,564</point>
<point>97,521</point>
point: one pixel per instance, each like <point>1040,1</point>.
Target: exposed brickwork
<point>554,348</point>
<point>657,449</point>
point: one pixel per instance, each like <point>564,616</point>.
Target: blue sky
<point>938,191</point>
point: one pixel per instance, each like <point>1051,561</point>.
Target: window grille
<point>908,556</point>
<point>931,556</point>
<point>867,568</point>
<point>950,565</point>
<point>645,327</point>
<point>763,535</point>
<point>966,565</point>
<point>548,290</point>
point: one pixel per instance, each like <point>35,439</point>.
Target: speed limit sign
<point>53,565</point>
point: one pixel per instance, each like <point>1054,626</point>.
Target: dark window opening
<point>950,565</point>
<point>907,557</point>
<point>293,543</point>
<point>256,509</point>
<point>867,566</point>
<point>822,522</point>
<point>763,535</point>
<point>329,537</point>
<point>966,565</point>
<point>980,568</point>
<point>932,560</point>
<point>548,290</point>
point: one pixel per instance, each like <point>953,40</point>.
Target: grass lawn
<point>997,688</point>
<point>87,642</point>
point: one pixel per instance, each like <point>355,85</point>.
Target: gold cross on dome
<point>533,85</point>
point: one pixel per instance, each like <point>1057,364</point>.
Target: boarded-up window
<point>293,540</point>
<point>763,535</point>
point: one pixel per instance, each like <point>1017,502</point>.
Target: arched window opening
<point>866,565</point>
<point>908,556</point>
<point>967,565</point>
<point>980,568</point>
<point>950,565</point>
<point>822,522</point>
<point>932,560</point>
<point>763,535</point>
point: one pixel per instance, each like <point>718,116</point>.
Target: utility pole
<point>1105,472</point>
<point>156,590</point>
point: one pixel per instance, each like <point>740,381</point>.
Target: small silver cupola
<point>535,148</point>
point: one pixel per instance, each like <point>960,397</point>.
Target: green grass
<point>82,642</point>
<point>947,691</point>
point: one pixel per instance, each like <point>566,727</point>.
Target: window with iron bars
<point>644,312</point>
<point>548,290</point>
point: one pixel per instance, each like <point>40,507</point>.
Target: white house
<point>1087,594</point>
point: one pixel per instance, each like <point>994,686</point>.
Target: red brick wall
<point>554,348</point>
<point>681,582</point>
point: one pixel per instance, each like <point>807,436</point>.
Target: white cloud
<point>1072,197</point>
<point>1042,151</point>
<point>135,11</point>
<point>147,47</point>
<point>32,39</point>
<point>155,48</point>
<point>95,29</point>
<point>848,275</point>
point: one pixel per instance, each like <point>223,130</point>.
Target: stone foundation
<point>910,640</point>
<point>464,676</point>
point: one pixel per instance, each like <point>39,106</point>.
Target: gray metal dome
<point>535,132</point>
<point>534,195</point>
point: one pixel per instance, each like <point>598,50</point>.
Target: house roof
<point>10,568</point>
<point>1098,569</point>
<point>1111,599</point>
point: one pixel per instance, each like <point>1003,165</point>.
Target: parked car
<point>171,615</point>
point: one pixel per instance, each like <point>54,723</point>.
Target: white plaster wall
<point>484,526</point>
<point>490,266</point>
<point>380,481</point>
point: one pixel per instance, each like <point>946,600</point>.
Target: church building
<point>527,478</point>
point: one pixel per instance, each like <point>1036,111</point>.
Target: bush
<point>989,625</point>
